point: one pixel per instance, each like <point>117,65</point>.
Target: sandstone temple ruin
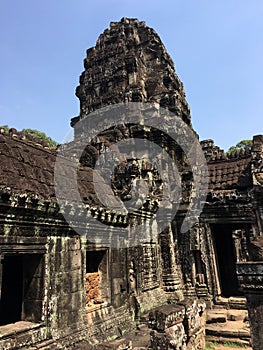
<point>59,290</point>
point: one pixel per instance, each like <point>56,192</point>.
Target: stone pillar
<point>250,277</point>
<point>197,257</point>
<point>171,279</point>
<point>196,233</point>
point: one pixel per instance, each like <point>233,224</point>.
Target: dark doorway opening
<point>226,259</point>
<point>12,290</point>
<point>22,288</point>
<point>94,259</point>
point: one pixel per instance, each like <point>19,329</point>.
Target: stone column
<point>198,257</point>
<point>171,279</point>
<point>250,277</point>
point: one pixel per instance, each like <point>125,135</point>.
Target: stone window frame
<point>27,247</point>
<point>106,281</point>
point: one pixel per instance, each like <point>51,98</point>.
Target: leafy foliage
<point>41,135</point>
<point>241,145</point>
<point>5,127</point>
<point>35,133</point>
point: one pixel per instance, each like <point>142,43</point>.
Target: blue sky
<point>217,48</point>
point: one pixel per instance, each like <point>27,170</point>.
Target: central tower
<point>130,64</point>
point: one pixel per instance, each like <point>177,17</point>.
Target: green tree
<point>35,133</point>
<point>241,145</point>
<point>5,127</point>
<point>42,136</point>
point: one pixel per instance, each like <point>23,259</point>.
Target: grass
<point>211,346</point>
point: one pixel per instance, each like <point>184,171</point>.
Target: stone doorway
<point>22,288</point>
<point>12,290</point>
<point>226,259</point>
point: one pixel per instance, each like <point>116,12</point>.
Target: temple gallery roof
<point>27,167</point>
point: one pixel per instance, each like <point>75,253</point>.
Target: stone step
<point>241,333</point>
<point>239,303</point>
<point>237,315</point>
<point>216,317</point>
<point>230,331</point>
<point>224,325</point>
<point>241,343</point>
<point>221,315</point>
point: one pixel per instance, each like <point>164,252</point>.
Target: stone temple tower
<point>130,63</point>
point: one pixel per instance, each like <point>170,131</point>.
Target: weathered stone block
<point>166,316</point>
<point>159,341</point>
<point>176,336</point>
<point>195,315</point>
